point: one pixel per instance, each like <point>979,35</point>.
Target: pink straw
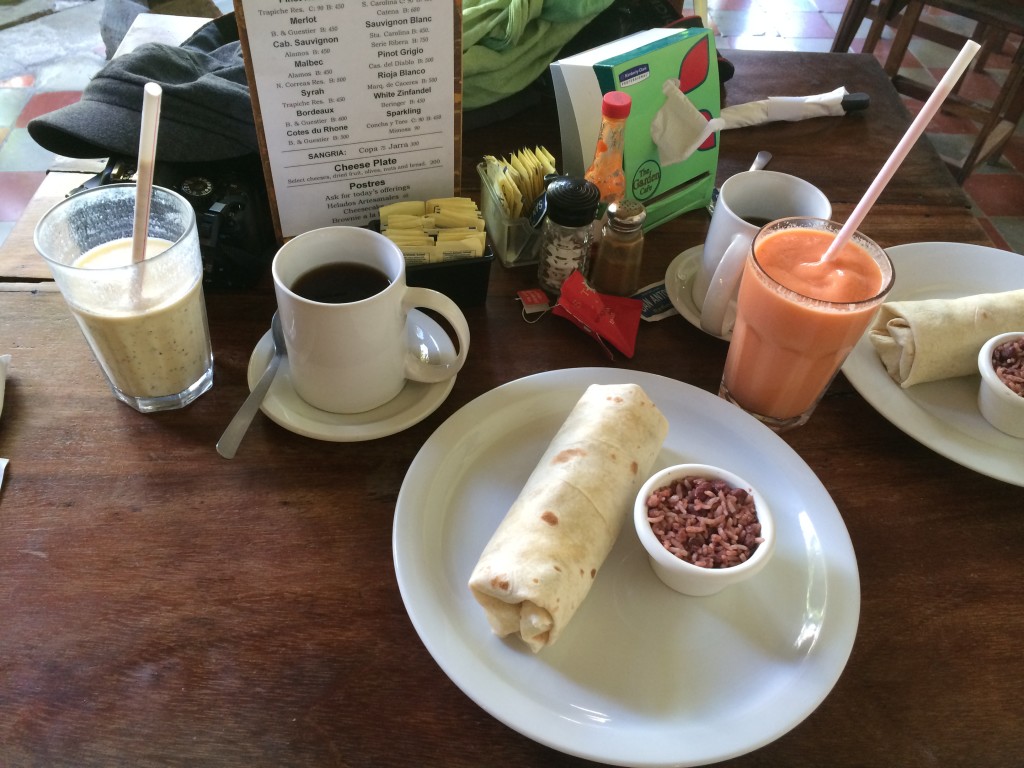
<point>147,158</point>
<point>913,133</point>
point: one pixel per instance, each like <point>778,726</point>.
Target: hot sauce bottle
<point>605,172</point>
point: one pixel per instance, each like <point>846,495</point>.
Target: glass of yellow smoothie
<point>145,321</point>
<point>798,316</point>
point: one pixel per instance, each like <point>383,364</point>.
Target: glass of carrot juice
<point>798,316</point>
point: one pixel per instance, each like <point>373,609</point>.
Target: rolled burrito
<point>920,341</point>
<point>538,566</point>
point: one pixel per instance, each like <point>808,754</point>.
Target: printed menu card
<point>357,105</point>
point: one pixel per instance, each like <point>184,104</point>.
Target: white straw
<point>144,177</point>
<point>913,133</point>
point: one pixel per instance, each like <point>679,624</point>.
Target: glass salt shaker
<point>616,268</point>
<point>564,244</point>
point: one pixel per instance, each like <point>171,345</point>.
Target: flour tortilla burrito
<point>920,341</point>
<point>541,561</point>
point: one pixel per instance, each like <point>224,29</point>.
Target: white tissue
<point>679,127</point>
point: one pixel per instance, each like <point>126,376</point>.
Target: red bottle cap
<point>616,105</point>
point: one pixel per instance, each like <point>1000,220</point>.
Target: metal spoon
<point>228,443</point>
<point>760,161</point>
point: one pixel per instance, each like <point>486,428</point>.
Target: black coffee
<point>757,221</point>
<point>341,283</point>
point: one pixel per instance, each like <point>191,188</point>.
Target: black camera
<point>233,216</point>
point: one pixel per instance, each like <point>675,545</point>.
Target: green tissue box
<point>638,65</point>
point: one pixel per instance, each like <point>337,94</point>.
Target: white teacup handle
<point>417,369</point>
<point>723,286</point>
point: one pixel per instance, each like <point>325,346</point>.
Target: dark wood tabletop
<point>162,606</point>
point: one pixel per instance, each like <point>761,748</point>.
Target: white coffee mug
<point>746,202</point>
<point>353,355</point>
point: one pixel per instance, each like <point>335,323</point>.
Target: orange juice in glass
<point>798,317</point>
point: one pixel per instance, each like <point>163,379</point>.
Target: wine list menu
<point>355,104</point>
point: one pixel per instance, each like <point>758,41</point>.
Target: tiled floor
<point>48,59</point>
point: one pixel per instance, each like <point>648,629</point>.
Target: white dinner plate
<point>414,403</point>
<point>642,675</point>
<point>944,415</point>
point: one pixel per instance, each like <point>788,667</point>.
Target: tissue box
<point>638,65</point>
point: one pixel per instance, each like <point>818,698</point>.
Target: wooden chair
<point>995,23</point>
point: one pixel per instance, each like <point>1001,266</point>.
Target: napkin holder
<point>638,65</point>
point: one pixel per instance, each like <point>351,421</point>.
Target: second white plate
<point>944,415</point>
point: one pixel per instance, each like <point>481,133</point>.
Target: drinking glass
<point>145,321</point>
<point>798,317</point>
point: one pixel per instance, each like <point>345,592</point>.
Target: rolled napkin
<point>788,108</point>
<point>932,339</point>
<point>539,565</point>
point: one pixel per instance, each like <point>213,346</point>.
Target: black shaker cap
<point>572,202</point>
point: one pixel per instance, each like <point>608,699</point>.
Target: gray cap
<point>205,113</point>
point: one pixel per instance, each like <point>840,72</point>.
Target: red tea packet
<point>615,319</point>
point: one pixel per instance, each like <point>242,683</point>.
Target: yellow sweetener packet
<point>406,207</point>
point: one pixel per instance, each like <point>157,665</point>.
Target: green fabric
<point>507,44</point>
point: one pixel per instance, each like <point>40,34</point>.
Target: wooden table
<point>161,606</point>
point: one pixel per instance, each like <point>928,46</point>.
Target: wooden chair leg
<point>981,36</point>
<point>1002,121</point>
<point>993,41</point>
<point>904,33</point>
<point>856,11</point>
<point>886,13</point>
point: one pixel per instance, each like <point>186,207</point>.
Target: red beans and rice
<point>1008,361</point>
<point>705,521</point>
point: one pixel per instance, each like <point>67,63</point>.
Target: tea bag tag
<point>535,302</point>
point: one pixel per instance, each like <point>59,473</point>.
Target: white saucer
<point>679,280</point>
<point>414,403</point>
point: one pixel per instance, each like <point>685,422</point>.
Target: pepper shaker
<point>616,268</point>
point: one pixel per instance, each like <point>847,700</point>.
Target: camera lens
<point>198,190</point>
